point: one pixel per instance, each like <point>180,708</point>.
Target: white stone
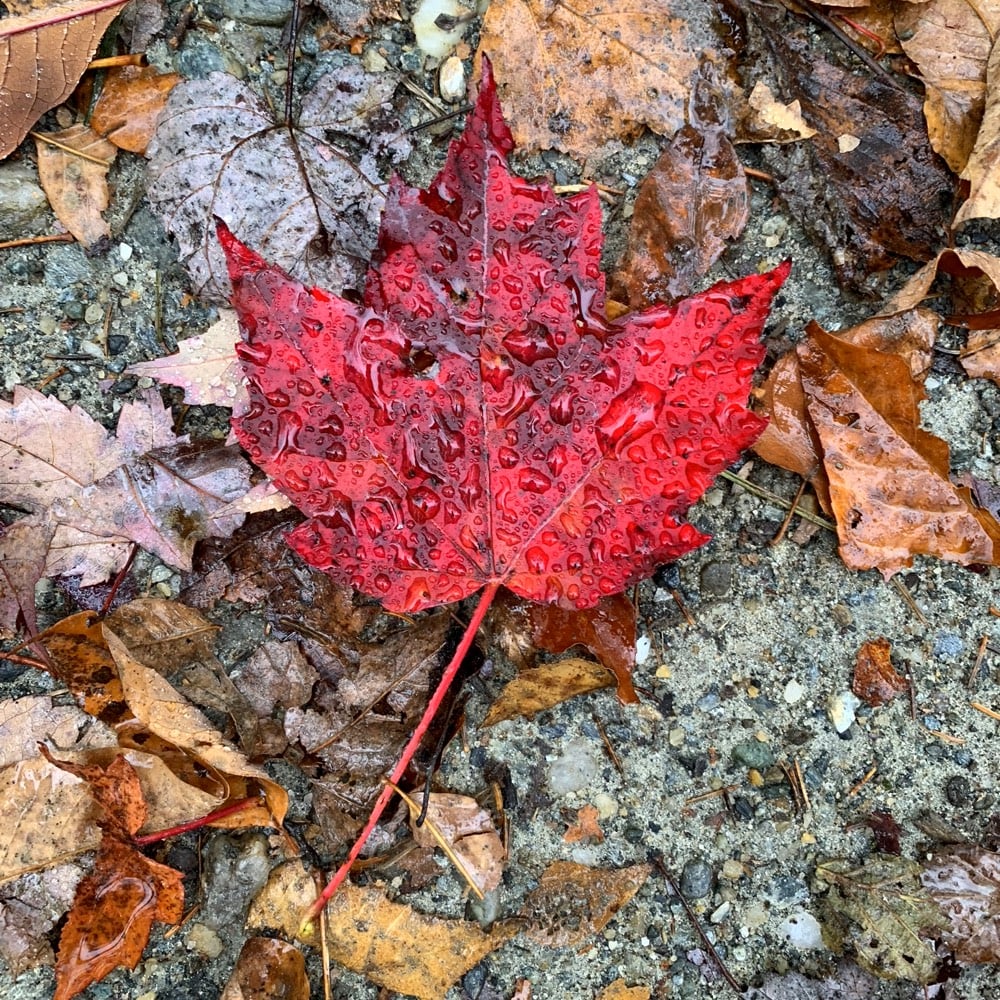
<point>124,251</point>
<point>802,930</point>
<point>643,645</point>
<point>841,707</point>
<point>451,79</point>
<point>793,692</point>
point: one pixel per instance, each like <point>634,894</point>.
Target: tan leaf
<point>25,722</point>
<point>44,49</point>
<point>73,167</point>
<point>620,990</point>
<point>129,105</point>
<point>401,949</point>
<point>469,832</point>
<point>889,484</point>
<point>268,969</point>
<point>585,828</point>
<point>950,41</point>
<point>280,906</point>
<point>574,902</point>
<point>983,168</point>
<point>536,690</point>
<point>205,367</point>
<point>981,355</point>
<point>572,76</point>
<point>170,716</point>
<point>969,267</point>
<point>770,120</point>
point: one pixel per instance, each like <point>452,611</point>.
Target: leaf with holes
<point>477,420</point>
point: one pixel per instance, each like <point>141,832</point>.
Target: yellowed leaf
<point>983,168</point>
<point>620,990</point>
<point>540,688</point>
<point>771,121</point>
<point>44,50</point>
<point>280,906</point>
<point>76,185</point>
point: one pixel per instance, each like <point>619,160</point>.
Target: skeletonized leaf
<point>44,50</point>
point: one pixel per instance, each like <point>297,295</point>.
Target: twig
<point>43,137</point>
<point>197,824</point>
<point>781,532</point>
<point>715,793</point>
<point>974,672</point>
<point>608,747</point>
<point>485,600</point>
<point>904,592</point>
<point>110,62</point>
<point>106,606</point>
<point>766,494</point>
<point>657,860</point>
<point>760,175</point>
<point>986,711</point>
<point>862,53</point>
<point>872,771</point>
<point>28,241</point>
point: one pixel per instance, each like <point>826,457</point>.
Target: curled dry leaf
<point>950,42</point>
<point>573,76</point>
<point>310,203</point>
<point>964,881</point>
<point>690,204</point>
<point>876,680</point>
<point>469,832</point>
<point>983,169</point>
<point>573,902</point>
<point>268,969</point>
<point>44,49</point>
<point>890,489</point>
<point>131,100</point>
<point>76,185</point>
<point>205,367</point>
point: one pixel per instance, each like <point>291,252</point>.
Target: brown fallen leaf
<point>73,168</point>
<point>983,168</point>
<point>950,42</point>
<point>24,722</point>
<point>876,681</point>
<point>975,278</point>
<point>620,990</point>
<point>981,355</point>
<point>690,204</point>
<point>543,687</point>
<point>574,902</point>
<point>964,881</point>
<point>468,830</point>
<point>205,367</point>
<point>44,49</point>
<point>116,905</point>
<point>268,969</point>
<point>889,480</point>
<point>573,76</point>
<point>585,828</point>
<point>131,100</point>
<point>290,888</point>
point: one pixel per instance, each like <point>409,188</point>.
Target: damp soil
<point>743,645</point>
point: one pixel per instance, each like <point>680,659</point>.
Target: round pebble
<point>958,790</point>
<point>716,579</point>
<point>696,879</point>
<point>753,754</point>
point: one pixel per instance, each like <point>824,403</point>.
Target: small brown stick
<point>872,771</point>
<point>52,376</point>
<point>911,686</point>
<point>705,940</point>
<point>608,747</point>
<point>760,175</point>
<point>48,140</point>
<point>110,62</point>
<point>715,793</point>
<point>778,501</point>
<point>862,53</point>
<point>678,600</point>
<point>24,661</point>
<point>955,741</point>
<point>29,241</point>
<point>789,515</point>
<point>904,592</point>
<point>802,784</point>
<point>995,612</point>
<point>986,711</point>
<point>974,672</point>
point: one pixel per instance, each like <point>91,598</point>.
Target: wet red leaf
<point>478,420</point>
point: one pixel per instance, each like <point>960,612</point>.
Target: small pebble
<point>721,913</point>
<point>802,930</point>
<point>958,790</point>
<point>451,79</point>
<point>793,692</point>
<point>125,251</point>
<point>93,314</point>
<point>643,645</point>
<point>272,12</point>
<point>574,769</point>
<point>841,707</point>
<point>204,941</point>
<point>696,880</point>
<point>732,869</point>
<point>23,205</point>
<point>716,579</point>
<point>754,754</point>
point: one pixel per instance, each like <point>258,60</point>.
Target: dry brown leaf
<point>585,828</point>
<point>43,52</point>
<point>620,990</point>
<point>57,816</point>
<point>205,367</point>
<point>268,969</point>
<point>983,168</point>
<point>889,485</point>
<point>981,356</point>
<point>975,271</point>
<point>170,716</point>
<point>693,201</point>
<point>544,687</point>
<point>131,101</point>
<point>572,76</point>
<point>30,906</point>
<point>26,722</point>
<point>469,831</point>
<point>876,681</point>
<point>73,168</point>
<point>574,902</point>
<point>950,42</point>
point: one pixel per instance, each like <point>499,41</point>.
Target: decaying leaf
<point>541,688</point>
<point>885,830</point>
<point>964,881</point>
<point>574,902</point>
<point>881,912</point>
<point>44,49</point>
<point>981,356</point>
<point>620,990</point>
<point>24,722</point>
<point>91,494</point>
<point>691,203</point>
<point>983,167</point>
<point>268,969</point>
<point>468,830</point>
<point>585,828</point>
<point>30,906</point>
<point>890,489</point>
<point>950,42</point>
<point>116,904</point>
<point>309,202</point>
<point>205,366</point>
<point>131,100</point>
<point>573,76</point>
<point>769,120</point>
<point>876,681</point>
<point>885,198</point>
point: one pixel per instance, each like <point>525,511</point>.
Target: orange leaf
<point>130,104</point>
<point>876,680</point>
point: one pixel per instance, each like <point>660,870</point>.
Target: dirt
<point>744,644</point>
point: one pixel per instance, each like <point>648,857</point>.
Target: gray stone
<point>716,579</point>
<point>696,879</point>
<point>274,12</point>
<point>754,754</point>
<point>23,205</point>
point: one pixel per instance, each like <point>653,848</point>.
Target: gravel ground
<point>744,685</point>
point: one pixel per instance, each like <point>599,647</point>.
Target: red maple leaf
<point>478,421</point>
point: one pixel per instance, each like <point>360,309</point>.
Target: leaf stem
<point>196,824</point>
<point>485,600</point>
